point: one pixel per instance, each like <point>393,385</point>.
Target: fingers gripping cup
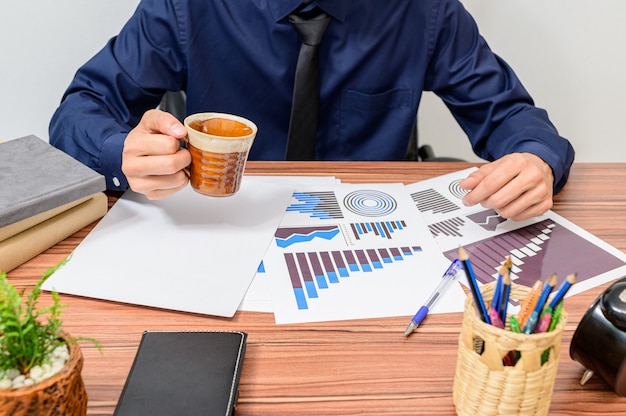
<point>219,145</point>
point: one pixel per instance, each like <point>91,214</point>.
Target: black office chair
<point>174,103</point>
<point>424,153</point>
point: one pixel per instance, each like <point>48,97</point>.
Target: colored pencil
<point>494,316</point>
<point>544,321</point>
<point>506,289</point>
<point>496,302</point>
<point>533,318</point>
<point>529,302</point>
<point>473,285</point>
<point>560,294</point>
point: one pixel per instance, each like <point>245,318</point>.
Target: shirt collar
<point>336,8</point>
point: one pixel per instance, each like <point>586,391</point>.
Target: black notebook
<point>184,373</point>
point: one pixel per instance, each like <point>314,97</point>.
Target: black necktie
<point>303,122</point>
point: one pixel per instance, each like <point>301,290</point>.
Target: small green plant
<point>29,334</point>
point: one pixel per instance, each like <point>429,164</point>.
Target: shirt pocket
<point>376,126</point>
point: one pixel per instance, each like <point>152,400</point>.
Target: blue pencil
<point>506,288</point>
<point>560,294</point>
<point>496,302</point>
<point>533,318</point>
<point>473,285</point>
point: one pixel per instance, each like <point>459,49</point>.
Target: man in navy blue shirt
<point>376,58</point>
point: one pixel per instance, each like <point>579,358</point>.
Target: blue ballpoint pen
<point>447,277</point>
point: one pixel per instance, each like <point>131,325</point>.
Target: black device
<point>599,342</point>
<point>184,373</point>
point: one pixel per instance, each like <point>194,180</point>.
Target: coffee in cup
<point>219,145</point>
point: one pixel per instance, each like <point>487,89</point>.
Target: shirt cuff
<point>111,162</point>
<point>560,168</point>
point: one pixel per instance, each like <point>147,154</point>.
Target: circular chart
<point>370,203</point>
<point>456,190</point>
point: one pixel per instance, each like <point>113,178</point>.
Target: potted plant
<point>40,364</point>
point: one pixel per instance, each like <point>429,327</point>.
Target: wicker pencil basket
<point>483,385</point>
<point>63,394</point>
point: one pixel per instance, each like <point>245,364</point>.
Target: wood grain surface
<point>364,367</point>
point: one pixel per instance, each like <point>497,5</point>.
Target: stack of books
<point>45,196</point>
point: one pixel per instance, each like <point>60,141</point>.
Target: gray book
<point>36,177</point>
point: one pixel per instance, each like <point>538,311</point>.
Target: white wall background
<point>570,55</point>
<point>42,44</point>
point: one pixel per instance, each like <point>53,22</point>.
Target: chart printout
<point>538,247</point>
<point>352,251</point>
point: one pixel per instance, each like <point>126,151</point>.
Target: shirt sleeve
<point>486,97</point>
<point>110,93</point>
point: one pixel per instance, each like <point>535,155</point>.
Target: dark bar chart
<point>431,200</point>
<point>313,272</point>
<point>537,251</point>
<point>382,229</point>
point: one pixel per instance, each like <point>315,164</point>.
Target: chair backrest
<point>425,152</point>
<point>174,102</point>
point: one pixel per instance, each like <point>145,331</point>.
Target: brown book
<point>23,246</point>
<point>19,226</point>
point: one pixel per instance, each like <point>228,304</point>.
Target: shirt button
<point>116,181</point>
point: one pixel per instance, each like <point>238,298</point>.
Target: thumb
<point>157,121</point>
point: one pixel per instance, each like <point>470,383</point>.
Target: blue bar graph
<point>382,229</point>
<point>312,273</point>
<point>321,205</point>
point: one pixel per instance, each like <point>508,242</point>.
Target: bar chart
<point>313,272</point>
<point>320,205</point>
<point>348,251</point>
<point>382,229</point>
<point>537,251</point>
<point>433,201</point>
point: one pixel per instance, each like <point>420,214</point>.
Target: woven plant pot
<point>63,394</point>
<point>483,385</point>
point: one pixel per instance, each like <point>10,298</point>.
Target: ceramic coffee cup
<point>219,145</point>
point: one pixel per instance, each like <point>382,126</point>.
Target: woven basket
<point>483,385</point>
<point>63,394</point>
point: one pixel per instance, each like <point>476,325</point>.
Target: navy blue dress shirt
<point>240,56</point>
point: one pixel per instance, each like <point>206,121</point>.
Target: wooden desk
<point>363,367</point>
